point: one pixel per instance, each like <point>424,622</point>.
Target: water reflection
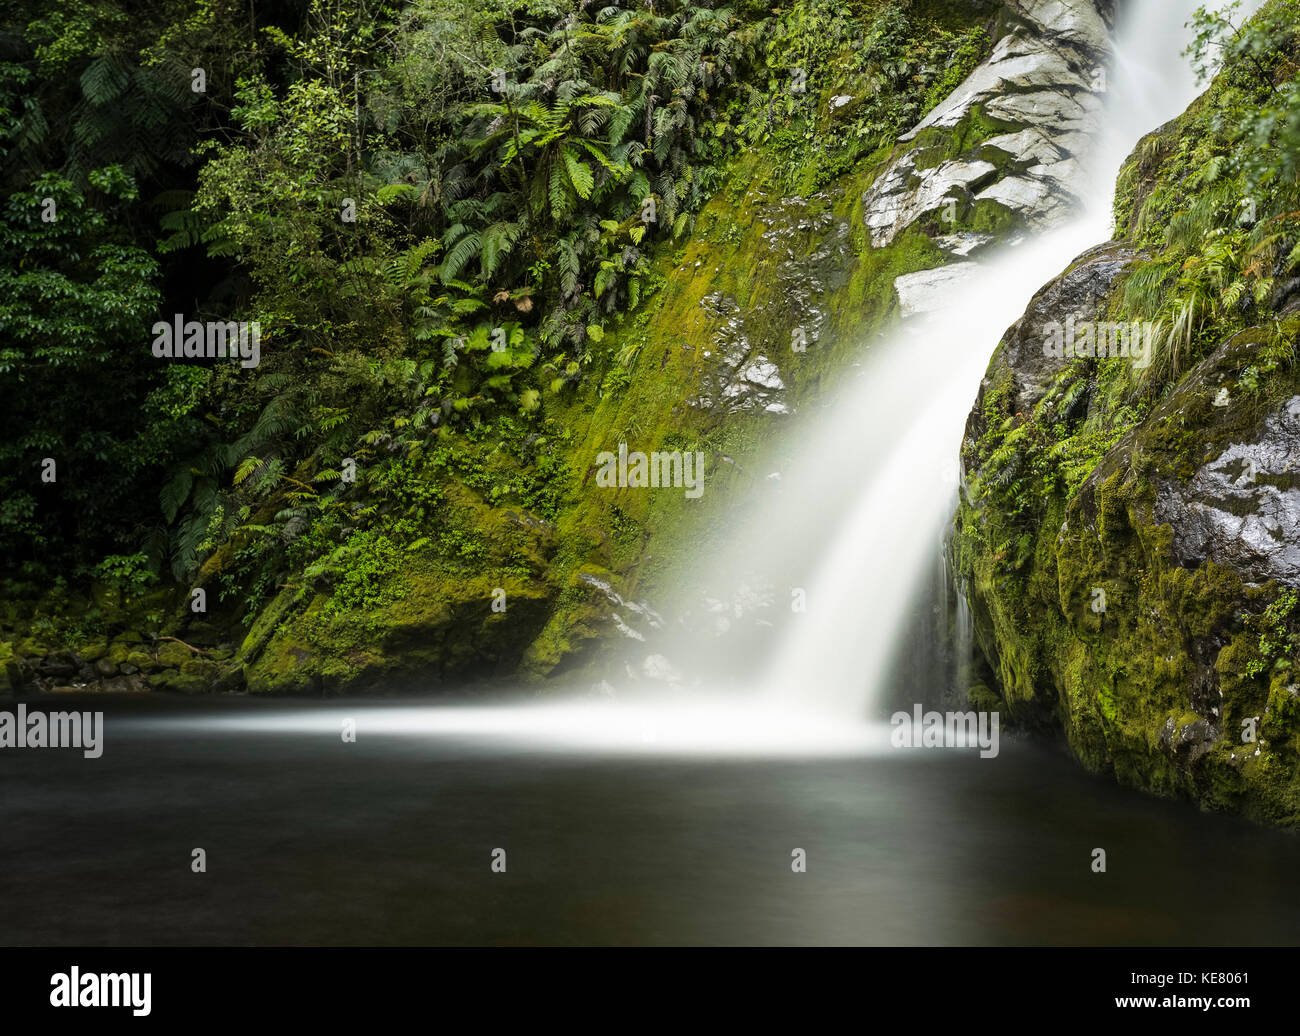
<point>388,840</point>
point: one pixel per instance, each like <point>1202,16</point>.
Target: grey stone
<point>1080,292</point>
<point>964,243</point>
<point>903,196</point>
<point>1038,78</point>
<point>929,290</point>
<point>1242,509</point>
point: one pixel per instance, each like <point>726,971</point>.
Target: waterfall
<point>852,521</point>
<point>918,388</point>
<point>865,498</point>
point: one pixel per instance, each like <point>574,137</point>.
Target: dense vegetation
<point>436,211</point>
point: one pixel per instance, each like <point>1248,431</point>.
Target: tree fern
<point>104,80</point>
<point>459,255</point>
<point>580,175</point>
<point>497,242</point>
<point>558,192</point>
<point>175,492</point>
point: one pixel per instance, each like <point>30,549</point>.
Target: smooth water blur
<point>389,840</point>
<point>913,398</point>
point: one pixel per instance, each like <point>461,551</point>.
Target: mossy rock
<point>171,655</point>
<point>1103,620</point>
<point>984,699</point>
<point>93,651</point>
<point>443,627</point>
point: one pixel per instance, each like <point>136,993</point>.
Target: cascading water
<point>917,390</point>
<point>682,820</point>
<point>921,386</point>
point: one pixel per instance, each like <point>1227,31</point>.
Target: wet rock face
<point>902,195</point>
<point>1242,509</point>
<point>645,616</point>
<point>1189,742</point>
<point>737,377</point>
<point>928,291</point>
<point>1081,292</point>
<point>804,245</point>
<point>1044,82</point>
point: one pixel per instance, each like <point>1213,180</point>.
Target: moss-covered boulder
<point>1129,519</point>
<point>1148,610</point>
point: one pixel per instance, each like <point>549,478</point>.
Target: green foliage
<point>867,71</point>
<point>1279,634</point>
<point>1221,212</point>
<point>368,568</point>
<point>513,171</point>
<point>76,299</point>
<point>130,573</point>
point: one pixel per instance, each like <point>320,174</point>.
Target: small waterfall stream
<point>921,384</point>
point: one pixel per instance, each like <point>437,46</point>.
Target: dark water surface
<point>389,841</point>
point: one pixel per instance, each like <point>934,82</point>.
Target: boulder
<point>172,655</point>
<point>1082,292</point>
<point>1241,509</point>
<point>1043,85</point>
